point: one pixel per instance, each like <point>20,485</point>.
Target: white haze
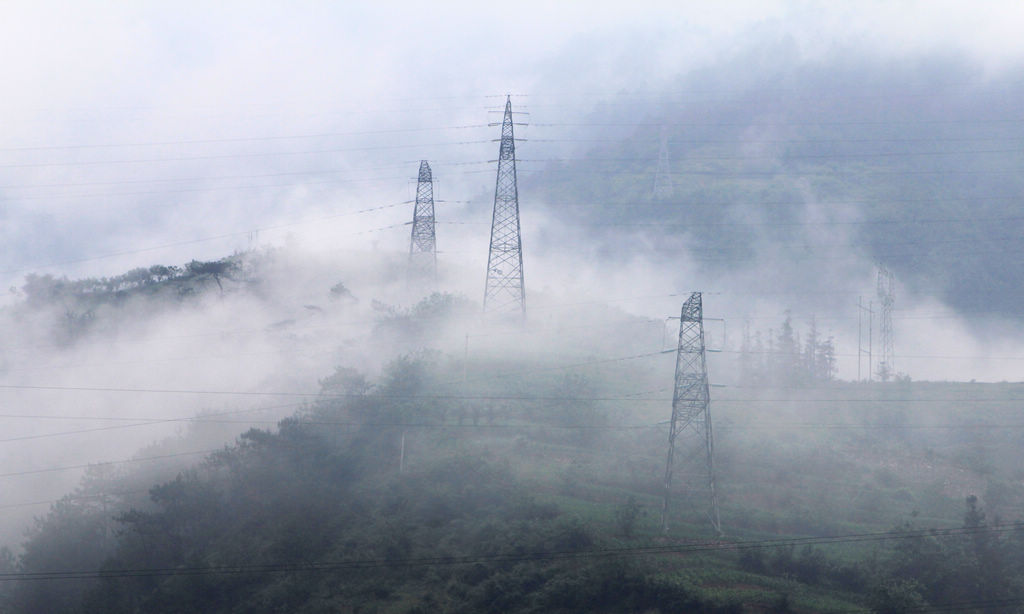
<point>144,133</point>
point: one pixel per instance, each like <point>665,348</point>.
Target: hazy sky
<point>126,124</point>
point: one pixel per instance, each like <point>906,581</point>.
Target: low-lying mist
<point>97,369</point>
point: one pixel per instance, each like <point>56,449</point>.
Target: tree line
<point>781,358</point>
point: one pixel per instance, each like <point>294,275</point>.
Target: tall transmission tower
<point>886,299</point>
<point>691,405</point>
<point>423,245</point>
<point>504,291</point>
<point>663,186</point>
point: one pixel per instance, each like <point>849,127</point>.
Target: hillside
<point>803,171</point>
<point>520,480</point>
<point>552,307</point>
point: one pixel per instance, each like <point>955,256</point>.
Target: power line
<point>322,171</point>
<point>631,204</point>
<point>728,426</point>
<point>246,139</point>
<point>998,138</point>
<point>239,156</point>
<point>499,397</point>
<point>788,155</point>
<point>767,94</point>
<point>100,496</point>
<point>916,356</point>
<point>768,426</point>
<point>817,257</point>
<point>306,350</point>
<point>609,224</point>
<point>271,154</point>
<point>781,172</point>
<point>868,222</point>
<point>293,108</point>
<point>322,395</point>
<point>745,246</point>
<point>569,101</point>
<point>336,324</point>
<point>204,189</point>
<point>134,422</point>
<point>224,236</point>
<point>586,363</point>
<point>202,240</point>
<point>102,463</point>
<point>552,555</point>
<point>375,425</point>
<point>756,124</point>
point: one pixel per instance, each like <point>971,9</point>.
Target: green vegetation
<point>41,290</point>
<point>324,490</point>
<point>438,485</point>
<point>79,301</point>
<point>511,508</point>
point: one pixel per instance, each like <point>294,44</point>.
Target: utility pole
<point>504,291</point>
<point>663,187</point>
<point>401,455</point>
<point>423,245</point>
<point>886,299</point>
<point>861,310</point>
<point>691,404</point>
<point>860,329</point>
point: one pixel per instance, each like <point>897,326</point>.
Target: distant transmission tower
<point>861,310</point>
<point>504,291</point>
<point>691,404</point>
<point>663,187</point>
<point>422,246</point>
<point>886,299</point>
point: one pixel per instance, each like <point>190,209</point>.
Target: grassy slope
<point>793,479</point>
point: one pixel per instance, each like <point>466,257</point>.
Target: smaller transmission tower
<point>861,310</point>
<point>504,291</point>
<point>691,405</point>
<point>422,246</point>
<point>886,300</point>
<point>663,187</point>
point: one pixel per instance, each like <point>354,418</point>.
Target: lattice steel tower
<point>691,406</point>
<point>504,291</point>
<point>663,187</point>
<point>886,299</point>
<point>423,245</point>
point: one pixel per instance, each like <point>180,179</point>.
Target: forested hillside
<point>395,308</point>
<point>520,480</point>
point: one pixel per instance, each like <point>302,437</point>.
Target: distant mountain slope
<point>781,162</point>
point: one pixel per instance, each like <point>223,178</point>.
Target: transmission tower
<point>422,246</point>
<point>691,405</point>
<point>886,299</point>
<point>504,291</point>
<point>861,351</point>
<point>663,187</point>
